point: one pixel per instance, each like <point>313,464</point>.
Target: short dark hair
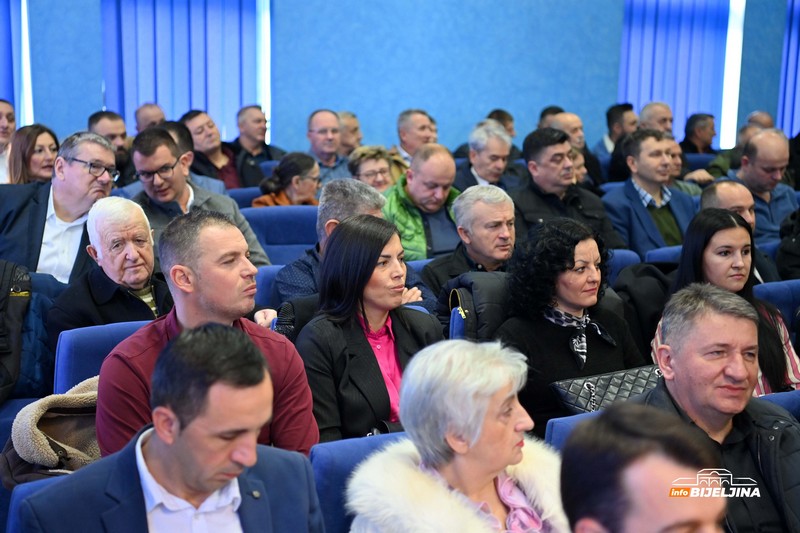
<point>599,450</point>
<point>245,109</point>
<point>615,113</point>
<point>351,253</point>
<point>632,144</point>
<point>197,359</point>
<point>94,118</point>
<point>698,120</point>
<point>537,140</point>
<point>550,110</point>
<point>537,263</point>
<point>500,115</point>
<point>178,242</point>
<point>291,165</point>
<point>182,135</point>
<point>147,142</point>
<point>189,115</point>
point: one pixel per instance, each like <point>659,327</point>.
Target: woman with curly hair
<point>555,280</point>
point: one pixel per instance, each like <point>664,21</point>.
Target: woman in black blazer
<point>358,345</point>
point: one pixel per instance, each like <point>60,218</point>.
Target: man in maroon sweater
<point>204,257</point>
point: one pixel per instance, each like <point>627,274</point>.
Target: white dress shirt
<point>61,242</point>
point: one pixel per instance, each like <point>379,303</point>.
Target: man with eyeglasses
<point>325,136</point>
<point>163,171</point>
<point>43,225</point>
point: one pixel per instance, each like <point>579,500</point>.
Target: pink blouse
<point>383,347</point>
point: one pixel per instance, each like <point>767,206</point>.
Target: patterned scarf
<point>577,343</point>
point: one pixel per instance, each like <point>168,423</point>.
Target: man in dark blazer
<point>122,288</point>
<point>489,149</point>
<point>43,225</point>
<point>198,464</point>
<point>644,211</point>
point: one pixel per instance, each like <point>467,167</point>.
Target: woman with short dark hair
<point>356,348</point>
<point>555,281</point>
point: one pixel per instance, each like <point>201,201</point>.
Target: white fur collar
<point>389,493</point>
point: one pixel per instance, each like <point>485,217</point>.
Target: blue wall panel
<point>764,26</point>
<point>457,59</point>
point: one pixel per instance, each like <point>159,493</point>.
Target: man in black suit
<point>43,225</point>
<point>489,149</point>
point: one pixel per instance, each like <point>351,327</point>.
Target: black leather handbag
<point>591,393</point>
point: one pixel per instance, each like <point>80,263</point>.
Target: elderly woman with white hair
<point>467,465</point>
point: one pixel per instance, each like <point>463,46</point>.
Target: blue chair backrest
<point>698,161</point>
<point>244,197</point>
<point>558,429</point>
<point>264,279</point>
<point>667,254</point>
<point>785,295</point>
<point>21,492</point>
<point>285,232</point>
<point>770,248</point>
<point>268,166</point>
<point>80,352</point>
<point>611,185</point>
<point>619,259</point>
<point>788,400</point>
<point>333,462</point>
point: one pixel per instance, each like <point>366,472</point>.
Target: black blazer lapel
<point>364,372</point>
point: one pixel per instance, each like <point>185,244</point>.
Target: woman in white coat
<point>467,465</point>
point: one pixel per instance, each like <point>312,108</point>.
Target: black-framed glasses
<point>96,169</point>
<point>164,172</point>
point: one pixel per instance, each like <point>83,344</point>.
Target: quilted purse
<point>591,393</point>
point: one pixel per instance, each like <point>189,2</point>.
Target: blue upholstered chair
<point>244,196</point>
<point>619,259</point>
<point>285,232</point>
<point>558,429</point>
<point>788,400</point>
<point>667,254</point>
<point>80,352</point>
<point>698,161</point>
<point>611,185</point>
<point>785,295</point>
<point>770,248</point>
<point>333,462</point>
<point>264,279</point>
<point>268,166</point>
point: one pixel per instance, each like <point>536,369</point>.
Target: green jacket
<point>414,233</point>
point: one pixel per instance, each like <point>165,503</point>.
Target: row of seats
<point>672,254</point>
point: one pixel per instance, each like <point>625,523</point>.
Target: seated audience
<point>372,165</point>
<point>718,250</point>
<point>699,133</point>
<point>122,288</point>
<point>420,204</point>
<point>340,199</point>
<point>485,220</point>
<point>325,136</point>
<point>572,125</point>
<point>727,160</point>
<point>163,171</point>
<point>217,159</point>
<point>762,119</point>
<point>351,133</point>
<point>765,157</point>
<point>295,181</point>
<point>676,172</point>
<point>112,126</point>
<point>551,191</point>
<point>736,198</point>
<point>356,348</point>
<point>619,468</point>
<point>709,359</point>
<point>250,147</point>
<point>8,124</point>
<point>43,224</point>
<point>644,211</point>
<point>546,116</point>
<point>621,119</point>
<point>489,149</point>
<point>147,115</point>
<point>205,260</point>
<point>32,154</point>
<point>467,464</point>
<point>197,466</point>
<point>555,282</point>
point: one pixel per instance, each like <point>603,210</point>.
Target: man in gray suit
<point>163,171</point>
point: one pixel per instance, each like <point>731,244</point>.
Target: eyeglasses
<point>316,180</point>
<point>164,172</point>
<point>96,169</point>
<point>372,174</point>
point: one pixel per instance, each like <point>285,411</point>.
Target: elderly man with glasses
<point>163,171</point>
<point>43,225</point>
